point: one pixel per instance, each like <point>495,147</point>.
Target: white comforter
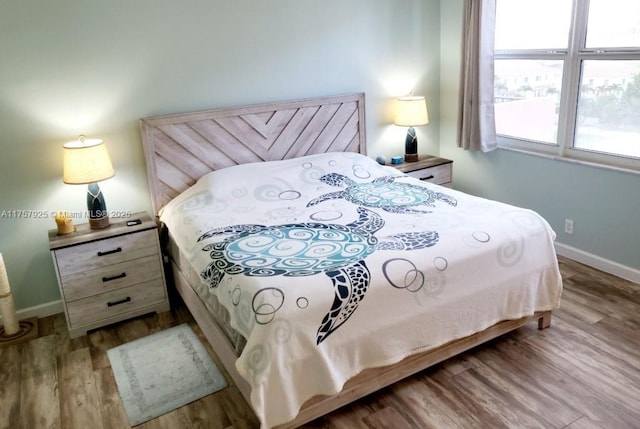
<point>339,264</point>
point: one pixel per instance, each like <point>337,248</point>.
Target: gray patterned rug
<point>164,371</point>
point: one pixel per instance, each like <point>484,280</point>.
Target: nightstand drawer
<point>87,283</point>
<point>101,253</point>
<point>118,302</point>
<point>440,174</point>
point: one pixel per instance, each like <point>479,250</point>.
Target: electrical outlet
<point>568,226</point>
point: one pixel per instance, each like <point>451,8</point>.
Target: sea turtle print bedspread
<point>336,263</point>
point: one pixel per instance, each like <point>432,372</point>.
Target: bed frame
<point>181,148</point>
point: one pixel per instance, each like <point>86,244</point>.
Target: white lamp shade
<point>86,161</point>
<point>412,111</point>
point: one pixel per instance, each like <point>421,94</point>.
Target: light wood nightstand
<point>110,274</point>
<point>430,169</point>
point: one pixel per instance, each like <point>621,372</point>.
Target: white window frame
<point>572,57</point>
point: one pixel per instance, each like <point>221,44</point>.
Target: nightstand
<point>108,275</point>
<point>430,169</point>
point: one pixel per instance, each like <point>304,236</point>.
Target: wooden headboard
<point>179,149</point>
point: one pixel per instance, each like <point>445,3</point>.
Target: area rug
<point>164,371</point>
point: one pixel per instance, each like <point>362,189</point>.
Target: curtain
<point>476,117</point>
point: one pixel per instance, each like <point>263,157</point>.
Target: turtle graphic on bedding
<point>304,249</point>
<point>383,193</point>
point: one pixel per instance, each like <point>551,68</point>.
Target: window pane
<point>609,108</point>
<point>613,23</point>
<point>527,95</point>
<point>519,24</point>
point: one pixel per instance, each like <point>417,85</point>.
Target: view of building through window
<point>584,97</point>
<point>608,117</point>
<point>527,96</point>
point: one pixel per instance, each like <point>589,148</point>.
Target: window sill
<point>628,170</point>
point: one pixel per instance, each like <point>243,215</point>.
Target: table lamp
<point>86,161</point>
<point>412,111</point>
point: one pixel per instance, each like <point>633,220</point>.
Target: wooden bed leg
<point>545,320</point>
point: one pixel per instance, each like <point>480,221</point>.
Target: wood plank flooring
<point>581,373</point>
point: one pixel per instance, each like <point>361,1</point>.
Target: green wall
<point>70,67</point>
<point>604,204</point>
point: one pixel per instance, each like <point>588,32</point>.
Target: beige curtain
<point>476,117</point>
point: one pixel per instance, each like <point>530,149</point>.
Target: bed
<point>293,250</point>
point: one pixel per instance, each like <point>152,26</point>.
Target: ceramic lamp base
<point>97,208</point>
<point>410,157</point>
<point>99,223</point>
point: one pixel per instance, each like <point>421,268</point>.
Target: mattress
<point>336,263</point>
<point>219,313</point>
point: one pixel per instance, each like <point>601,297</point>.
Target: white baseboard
<point>602,264</point>
<point>42,310</point>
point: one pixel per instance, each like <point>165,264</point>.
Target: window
<point>567,78</point>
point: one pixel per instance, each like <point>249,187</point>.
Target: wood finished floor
<point>583,372</point>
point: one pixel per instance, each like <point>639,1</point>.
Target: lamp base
<point>411,157</point>
<point>411,146</point>
<point>97,208</point>
<point>101,223</point>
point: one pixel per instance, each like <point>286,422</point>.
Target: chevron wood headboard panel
<point>179,149</point>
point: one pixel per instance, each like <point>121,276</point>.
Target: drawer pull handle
<point>119,276</point>
<point>122,301</point>
<point>109,252</point>
<point>428,177</point>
